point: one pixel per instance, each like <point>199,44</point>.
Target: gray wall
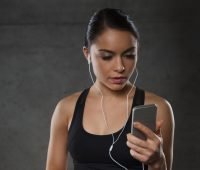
<point>41,61</point>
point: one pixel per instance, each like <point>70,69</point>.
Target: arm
<point>157,150</point>
<point>167,131</point>
<point>165,113</point>
<point>57,150</point>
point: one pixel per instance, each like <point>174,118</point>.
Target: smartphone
<point>145,114</point>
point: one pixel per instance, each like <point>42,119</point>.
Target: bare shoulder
<point>65,108</point>
<point>164,107</point>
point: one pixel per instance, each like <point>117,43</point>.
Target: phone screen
<point>145,114</point>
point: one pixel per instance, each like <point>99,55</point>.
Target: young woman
<point>94,124</point>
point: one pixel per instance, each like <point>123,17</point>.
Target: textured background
<point>41,61</point>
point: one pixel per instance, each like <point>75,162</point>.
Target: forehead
<point>115,40</point>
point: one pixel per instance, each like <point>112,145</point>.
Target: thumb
<point>158,127</point>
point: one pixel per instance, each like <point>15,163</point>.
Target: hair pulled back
<point>108,18</point>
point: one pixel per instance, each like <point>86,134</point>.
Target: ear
<point>86,53</point>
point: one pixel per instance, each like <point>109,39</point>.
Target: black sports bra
<point>90,151</point>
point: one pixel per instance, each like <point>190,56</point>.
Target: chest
<point>105,117</point>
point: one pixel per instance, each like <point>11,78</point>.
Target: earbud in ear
<point>89,60</point>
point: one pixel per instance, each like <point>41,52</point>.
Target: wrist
<point>158,164</point>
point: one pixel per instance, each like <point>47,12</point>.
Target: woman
<point>94,124</point>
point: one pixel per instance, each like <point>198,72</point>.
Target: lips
<point>118,80</point>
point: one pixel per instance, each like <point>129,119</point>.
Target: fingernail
<point>127,136</point>
<point>132,153</point>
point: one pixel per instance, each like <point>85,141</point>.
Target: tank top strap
<point>76,122</point>
<point>80,104</point>
<point>139,97</point>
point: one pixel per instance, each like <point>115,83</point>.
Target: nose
<point>119,66</point>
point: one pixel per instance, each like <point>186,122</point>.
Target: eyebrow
<point>109,51</point>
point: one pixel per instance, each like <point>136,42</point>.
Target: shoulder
<point>154,98</point>
<point>65,107</point>
<point>164,108</point>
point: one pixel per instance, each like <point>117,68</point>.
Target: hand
<point>148,151</point>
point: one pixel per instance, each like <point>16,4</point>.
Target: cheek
<point>99,68</point>
<point>130,65</point>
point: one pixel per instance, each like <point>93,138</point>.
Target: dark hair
<point>108,18</point>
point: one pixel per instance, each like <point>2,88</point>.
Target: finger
<point>137,141</point>
<point>137,148</point>
<point>138,156</point>
<point>159,124</point>
<point>144,129</point>
<point>158,127</point>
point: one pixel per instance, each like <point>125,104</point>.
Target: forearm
<point>55,168</point>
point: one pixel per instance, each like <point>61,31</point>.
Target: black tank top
<point>90,151</point>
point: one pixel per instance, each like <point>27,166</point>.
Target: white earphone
<point>89,61</point>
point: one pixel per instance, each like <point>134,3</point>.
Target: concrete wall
<point>41,61</point>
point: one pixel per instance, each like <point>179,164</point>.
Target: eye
<point>108,57</point>
<point>131,56</point>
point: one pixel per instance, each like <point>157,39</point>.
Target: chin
<point>117,87</point>
<point>114,87</point>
